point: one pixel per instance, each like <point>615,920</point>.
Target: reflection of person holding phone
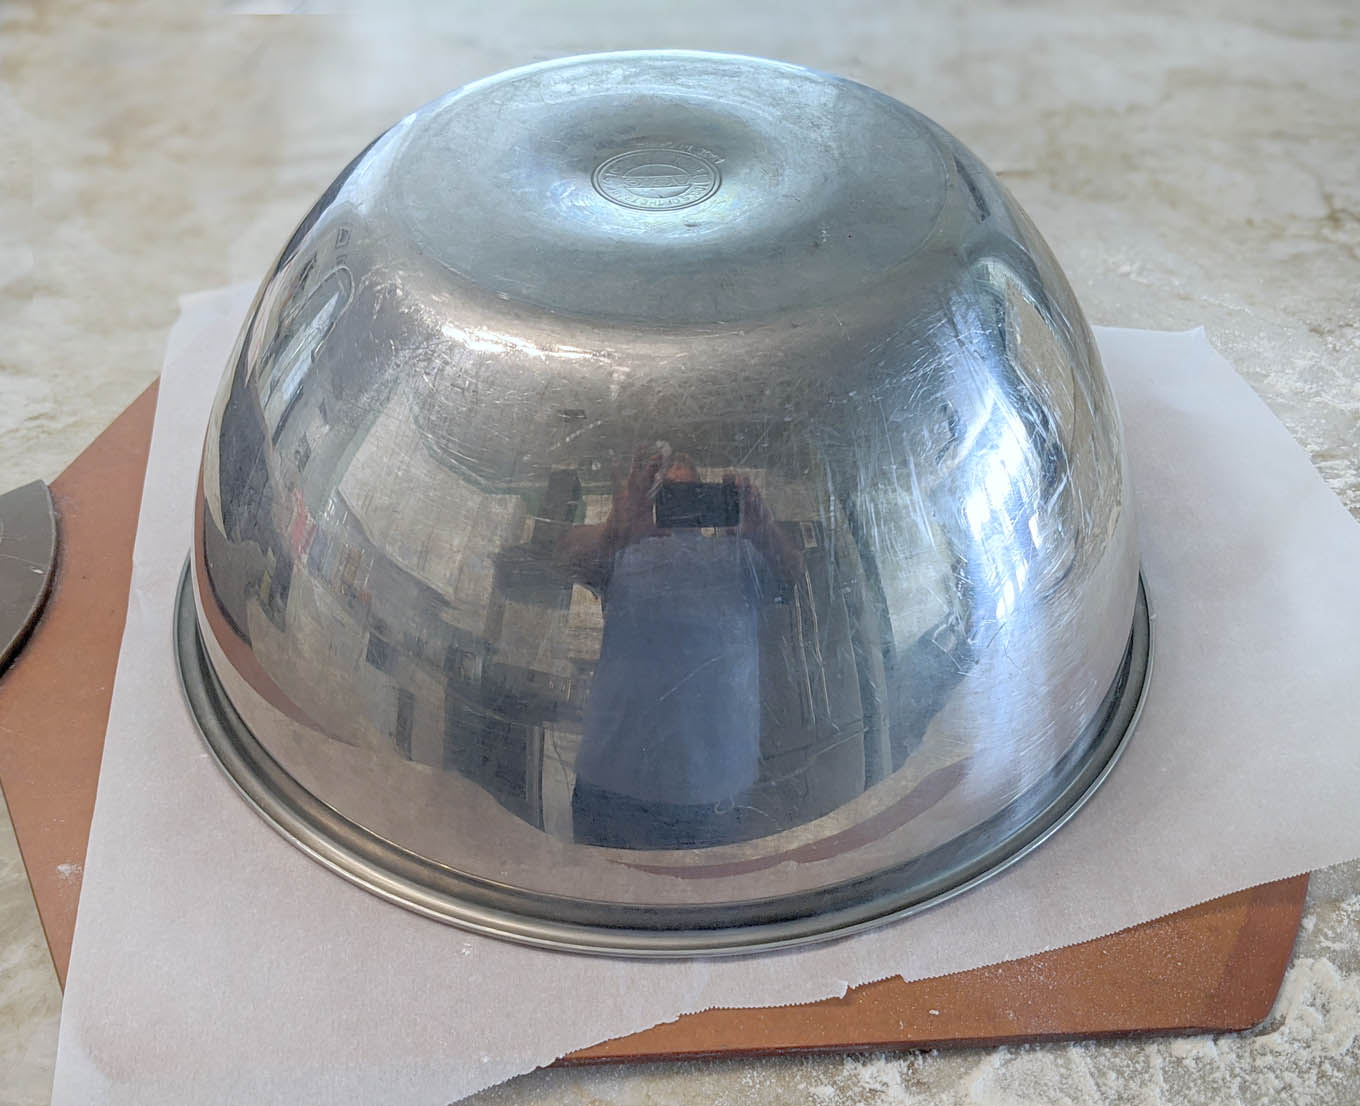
<point>672,725</point>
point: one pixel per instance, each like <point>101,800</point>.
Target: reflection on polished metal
<point>28,554</point>
<point>664,503</point>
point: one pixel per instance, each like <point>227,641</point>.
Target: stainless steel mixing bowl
<point>664,503</point>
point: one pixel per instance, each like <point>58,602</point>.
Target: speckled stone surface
<point>1188,167</point>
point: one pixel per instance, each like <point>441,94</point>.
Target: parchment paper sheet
<point>214,963</point>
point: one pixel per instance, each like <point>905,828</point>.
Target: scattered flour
<point>1306,1054</point>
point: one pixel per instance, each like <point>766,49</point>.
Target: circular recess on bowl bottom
<point>660,930</point>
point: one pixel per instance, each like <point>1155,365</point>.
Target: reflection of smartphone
<point>710,505</point>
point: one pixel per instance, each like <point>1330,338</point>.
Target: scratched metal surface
<point>615,495</point>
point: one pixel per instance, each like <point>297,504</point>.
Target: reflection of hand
<point>631,516</point>
<point>756,522</point>
<point>754,516</point>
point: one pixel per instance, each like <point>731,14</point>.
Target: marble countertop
<point>1187,168</point>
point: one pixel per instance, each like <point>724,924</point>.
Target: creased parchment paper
<point>214,963</point>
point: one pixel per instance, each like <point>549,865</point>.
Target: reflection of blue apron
<point>674,710</point>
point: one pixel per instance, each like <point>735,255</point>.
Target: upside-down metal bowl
<point>664,503</point>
